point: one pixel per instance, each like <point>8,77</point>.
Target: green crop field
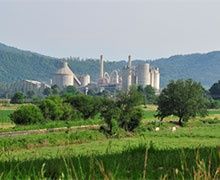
<point>90,153</point>
<point>190,152</point>
<point>4,115</point>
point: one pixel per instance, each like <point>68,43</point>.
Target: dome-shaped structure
<point>64,76</point>
<point>64,70</point>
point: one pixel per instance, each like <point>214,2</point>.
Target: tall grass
<point>132,163</point>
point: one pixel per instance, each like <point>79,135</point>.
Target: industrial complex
<point>142,74</point>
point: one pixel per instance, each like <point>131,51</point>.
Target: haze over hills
<point>18,64</point>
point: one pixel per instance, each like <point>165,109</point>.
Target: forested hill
<point>18,64</point>
<point>204,68</point>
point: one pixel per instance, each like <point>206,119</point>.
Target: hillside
<point>18,64</point>
<point>200,67</point>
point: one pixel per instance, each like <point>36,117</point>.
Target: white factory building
<point>129,75</point>
<point>65,77</point>
<point>27,85</point>
<point>141,74</point>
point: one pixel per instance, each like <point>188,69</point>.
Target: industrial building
<point>26,85</point>
<point>85,80</point>
<point>129,75</point>
<point>141,74</point>
<point>65,77</point>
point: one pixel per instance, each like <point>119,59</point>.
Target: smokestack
<point>101,67</point>
<point>129,61</point>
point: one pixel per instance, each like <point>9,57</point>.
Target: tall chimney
<point>129,61</point>
<point>101,67</point>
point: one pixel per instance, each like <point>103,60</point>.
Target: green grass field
<point>25,156</point>
<point>4,116</point>
<point>191,152</point>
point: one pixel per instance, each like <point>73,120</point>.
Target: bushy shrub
<point>18,98</point>
<point>69,113</point>
<point>53,108</point>
<point>50,109</point>
<point>135,118</point>
<point>130,120</point>
<point>28,114</point>
<point>87,106</point>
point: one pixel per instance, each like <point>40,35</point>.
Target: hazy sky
<point>115,28</point>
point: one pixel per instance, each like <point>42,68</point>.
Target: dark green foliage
<point>182,98</point>
<point>214,104</point>
<point>215,90</point>
<point>130,116</point>
<point>149,94</point>
<point>18,98</point>
<point>69,113</point>
<point>135,118</point>
<point>87,106</point>
<point>47,91</point>
<point>70,90</point>
<point>127,100</point>
<point>28,114</point>
<point>55,90</point>
<point>53,108</point>
<point>17,64</point>
<point>110,113</point>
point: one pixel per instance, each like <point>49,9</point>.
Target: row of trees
<point>181,98</point>
<point>122,110</point>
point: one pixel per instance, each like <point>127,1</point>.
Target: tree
<point>130,115</point>
<point>127,100</point>
<point>55,89</point>
<point>87,106</point>
<point>215,90</point>
<point>28,114</point>
<point>54,108</point>
<point>18,98</point>
<point>51,108</point>
<point>30,94</point>
<point>70,90</point>
<point>47,91</point>
<point>150,95</point>
<point>182,98</point>
<point>110,113</point>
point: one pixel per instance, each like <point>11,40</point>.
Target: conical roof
<point>65,70</point>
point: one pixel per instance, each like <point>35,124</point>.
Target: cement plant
<point>129,75</point>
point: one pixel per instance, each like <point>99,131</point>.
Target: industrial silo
<point>157,79</point>
<point>64,76</point>
<point>85,80</point>
<point>143,74</point>
<point>152,77</point>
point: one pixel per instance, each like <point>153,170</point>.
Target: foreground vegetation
<point>132,163</point>
<point>130,143</point>
<point>189,152</point>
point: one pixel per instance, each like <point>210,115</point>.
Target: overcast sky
<point>115,28</point>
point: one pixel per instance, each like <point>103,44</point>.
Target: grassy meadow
<point>190,152</point>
